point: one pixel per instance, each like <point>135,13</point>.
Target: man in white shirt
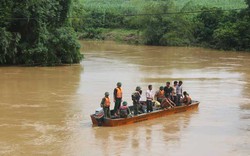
<point>149,97</point>
<point>179,93</point>
<point>174,92</point>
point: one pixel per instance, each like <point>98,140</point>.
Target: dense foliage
<point>42,32</point>
<point>37,32</point>
<point>166,22</point>
<point>224,30</point>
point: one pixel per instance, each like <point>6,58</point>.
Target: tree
<point>156,25</point>
<point>226,37</point>
<point>35,26</point>
<point>248,3</point>
<point>206,22</point>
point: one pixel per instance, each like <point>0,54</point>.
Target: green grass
<point>180,4</point>
<point>224,4</point>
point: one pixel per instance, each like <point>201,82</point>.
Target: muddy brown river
<point>45,110</point>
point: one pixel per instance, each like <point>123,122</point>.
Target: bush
<point>222,30</point>
<point>65,46</point>
<point>36,33</point>
<point>8,46</point>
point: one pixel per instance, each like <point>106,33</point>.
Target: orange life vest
<point>119,92</point>
<point>107,102</point>
<point>160,94</point>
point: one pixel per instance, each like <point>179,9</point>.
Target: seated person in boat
<point>166,103</point>
<point>186,99</point>
<point>105,104</point>
<point>136,99</point>
<point>124,110</point>
<point>159,95</point>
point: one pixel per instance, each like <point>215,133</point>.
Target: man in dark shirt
<point>136,99</point>
<point>168,90</point>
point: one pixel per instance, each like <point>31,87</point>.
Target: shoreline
<point>134,37</point>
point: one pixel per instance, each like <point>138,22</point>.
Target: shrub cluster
<point>158,25</point>
<point>37,32</point>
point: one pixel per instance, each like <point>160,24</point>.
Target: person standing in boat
<point>179,93</point>
<point>149,97</point>
<point>105,104</point>
<point>159,95</point>
<point>174,94</point>
<point>117,97</point>
<point>136,99</point>
<point>124,110</point>
<point>168,90</point>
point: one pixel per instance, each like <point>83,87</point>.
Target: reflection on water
<point>45,111</point>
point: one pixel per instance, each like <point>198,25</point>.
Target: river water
<point>45,110</point>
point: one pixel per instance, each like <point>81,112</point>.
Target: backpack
<point>123,113</point>
<point>134,96</point>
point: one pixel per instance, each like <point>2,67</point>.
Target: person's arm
<point>102,102</point>
<point>189,100</point>
<point>139,95</point>
<point>181,91</point>
<point>156,94</point>
<point>129,112</point>
<point>172,102</point>
<point>140,92</point>
<point>152,95</point>
<point>147,95</point>
<point>169,102</point>
<point>165,91</point>
<point>172,92</point>
<point>115,94</point>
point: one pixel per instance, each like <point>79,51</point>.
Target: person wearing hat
<point>117,97</point>
<point>159,95</point>
<point>136,99</point>
<point>105,104</point>
<point>124,110</point>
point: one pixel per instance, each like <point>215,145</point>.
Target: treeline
<point>164,23</point>
<point>42,32</point>
<point>37,32</point>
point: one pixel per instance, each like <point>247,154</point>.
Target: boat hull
<point>145,116</point>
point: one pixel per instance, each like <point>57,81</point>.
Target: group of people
<point>166,97</point>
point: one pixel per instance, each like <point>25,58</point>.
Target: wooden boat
<point>145,116</point>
